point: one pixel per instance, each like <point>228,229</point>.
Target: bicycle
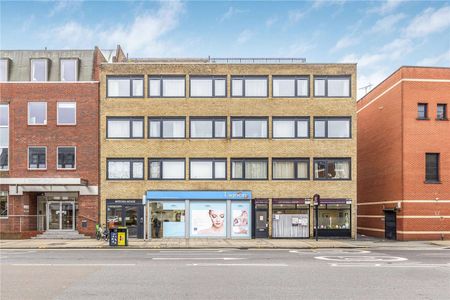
<point>101,233</point>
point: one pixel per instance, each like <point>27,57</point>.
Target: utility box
<point>113,237</point>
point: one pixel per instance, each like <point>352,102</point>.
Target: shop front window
<point>334,216</point>
<point>168,219</point>
<point>208,219</point>
<point>114,213</point>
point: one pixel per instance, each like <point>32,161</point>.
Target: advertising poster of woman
<point>208,219</point>
<point>240,219</point>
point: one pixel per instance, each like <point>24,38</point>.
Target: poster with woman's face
<point>208,219</point>
<point>240,219</point>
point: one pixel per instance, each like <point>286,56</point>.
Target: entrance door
<point>131,216</point>
<point>390,225</point>
<point>261,224</point>
<point>61,215</point>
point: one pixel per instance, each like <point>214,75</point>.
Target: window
<point>334,217</point>
<point>166,128</point>
<point>432,167</point>
<point>208,168</point>
<point>332,127</point>
<point>37,113</point>
<point>125,86</point>
<point>67,113</point>
<point>125,127</point>
<point>125,168</point>
<point>290,168</point>
<point>4,136</point>
<point>37,158</point>
<point>213,86</point>
<point>249,86</point>
<point>422,111</point>
<point>3,204</point>
<point>332,86</point>
<point>290,128</point>
<point>66,158</point>
<point>249,169</point>
<point>4,64</point>
<point>332,169</point>
<point>39,70</point>
<point>167,86</point>
<point>202,128</point>
<point>69,69</point>
<point>166,168</point>
<point>290,86</point>
<point>249,128</point>
<point>441,112</point>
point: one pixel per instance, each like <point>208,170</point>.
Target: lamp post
<point>316,201</point>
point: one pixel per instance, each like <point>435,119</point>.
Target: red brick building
<point>404,156</point>
<point>49,145</point>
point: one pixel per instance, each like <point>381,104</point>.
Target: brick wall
<point>391,151</point>
<point>145,148</point>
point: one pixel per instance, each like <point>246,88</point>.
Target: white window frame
<point>74,158</point>
<point>296,132</point>
<point>32,69</point>
<point>130,80</point>
<point>46,120</point>
<point>6,71</point>
<point>161,168</point>
<point>57,113</point>
<point>213,80</point>
<point>213,162</point>
<point>130,161</point>
<point>244,120</point>
<point>28,158</point>
<point>331,77</point>
<point>161,79</point>
<point>249,77</point>
<point>7,126</point>
<point>296,89</point>
<point>61,69</point>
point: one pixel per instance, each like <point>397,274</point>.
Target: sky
<point>380,36</point>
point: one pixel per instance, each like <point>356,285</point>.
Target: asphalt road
<point>225,274</point>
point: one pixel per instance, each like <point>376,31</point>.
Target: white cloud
<point>387,23</point>
<point>367,81</point>
<point>298,49</point>
<point>270,21</point>
<point>145,35</point>
<point>65,6</point>
<point>230,13</point>
<point>296,15</point>
<point>387,6</point>
<point>244,36</point>
<point>322,3</point>
<point>430,21</point>
<point>442,59</point>
<point>345,42</point>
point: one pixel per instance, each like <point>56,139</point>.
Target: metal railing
<point>22,223</point>
<point>257,60</point>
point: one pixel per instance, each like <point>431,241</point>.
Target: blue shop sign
<point>199,195</point>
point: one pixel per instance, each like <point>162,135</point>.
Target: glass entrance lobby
<point>57,211</point>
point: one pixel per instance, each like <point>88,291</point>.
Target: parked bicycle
<point>101,233</point>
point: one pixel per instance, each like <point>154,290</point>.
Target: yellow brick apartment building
<point>220,148</point>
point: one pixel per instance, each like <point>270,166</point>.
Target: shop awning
<point>44,181</point>
<point>335,201</point>
<point>291,201</point>
<point>199,195</point>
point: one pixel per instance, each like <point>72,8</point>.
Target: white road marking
<point>346,251</point>
<point>72,265</point>
<point>197,258</point>
<point>362,258</point>
<point>238,265</point>
<point>391,266</point>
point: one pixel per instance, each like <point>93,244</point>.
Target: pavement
<point>396,273</point>
<point>361,242</point>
